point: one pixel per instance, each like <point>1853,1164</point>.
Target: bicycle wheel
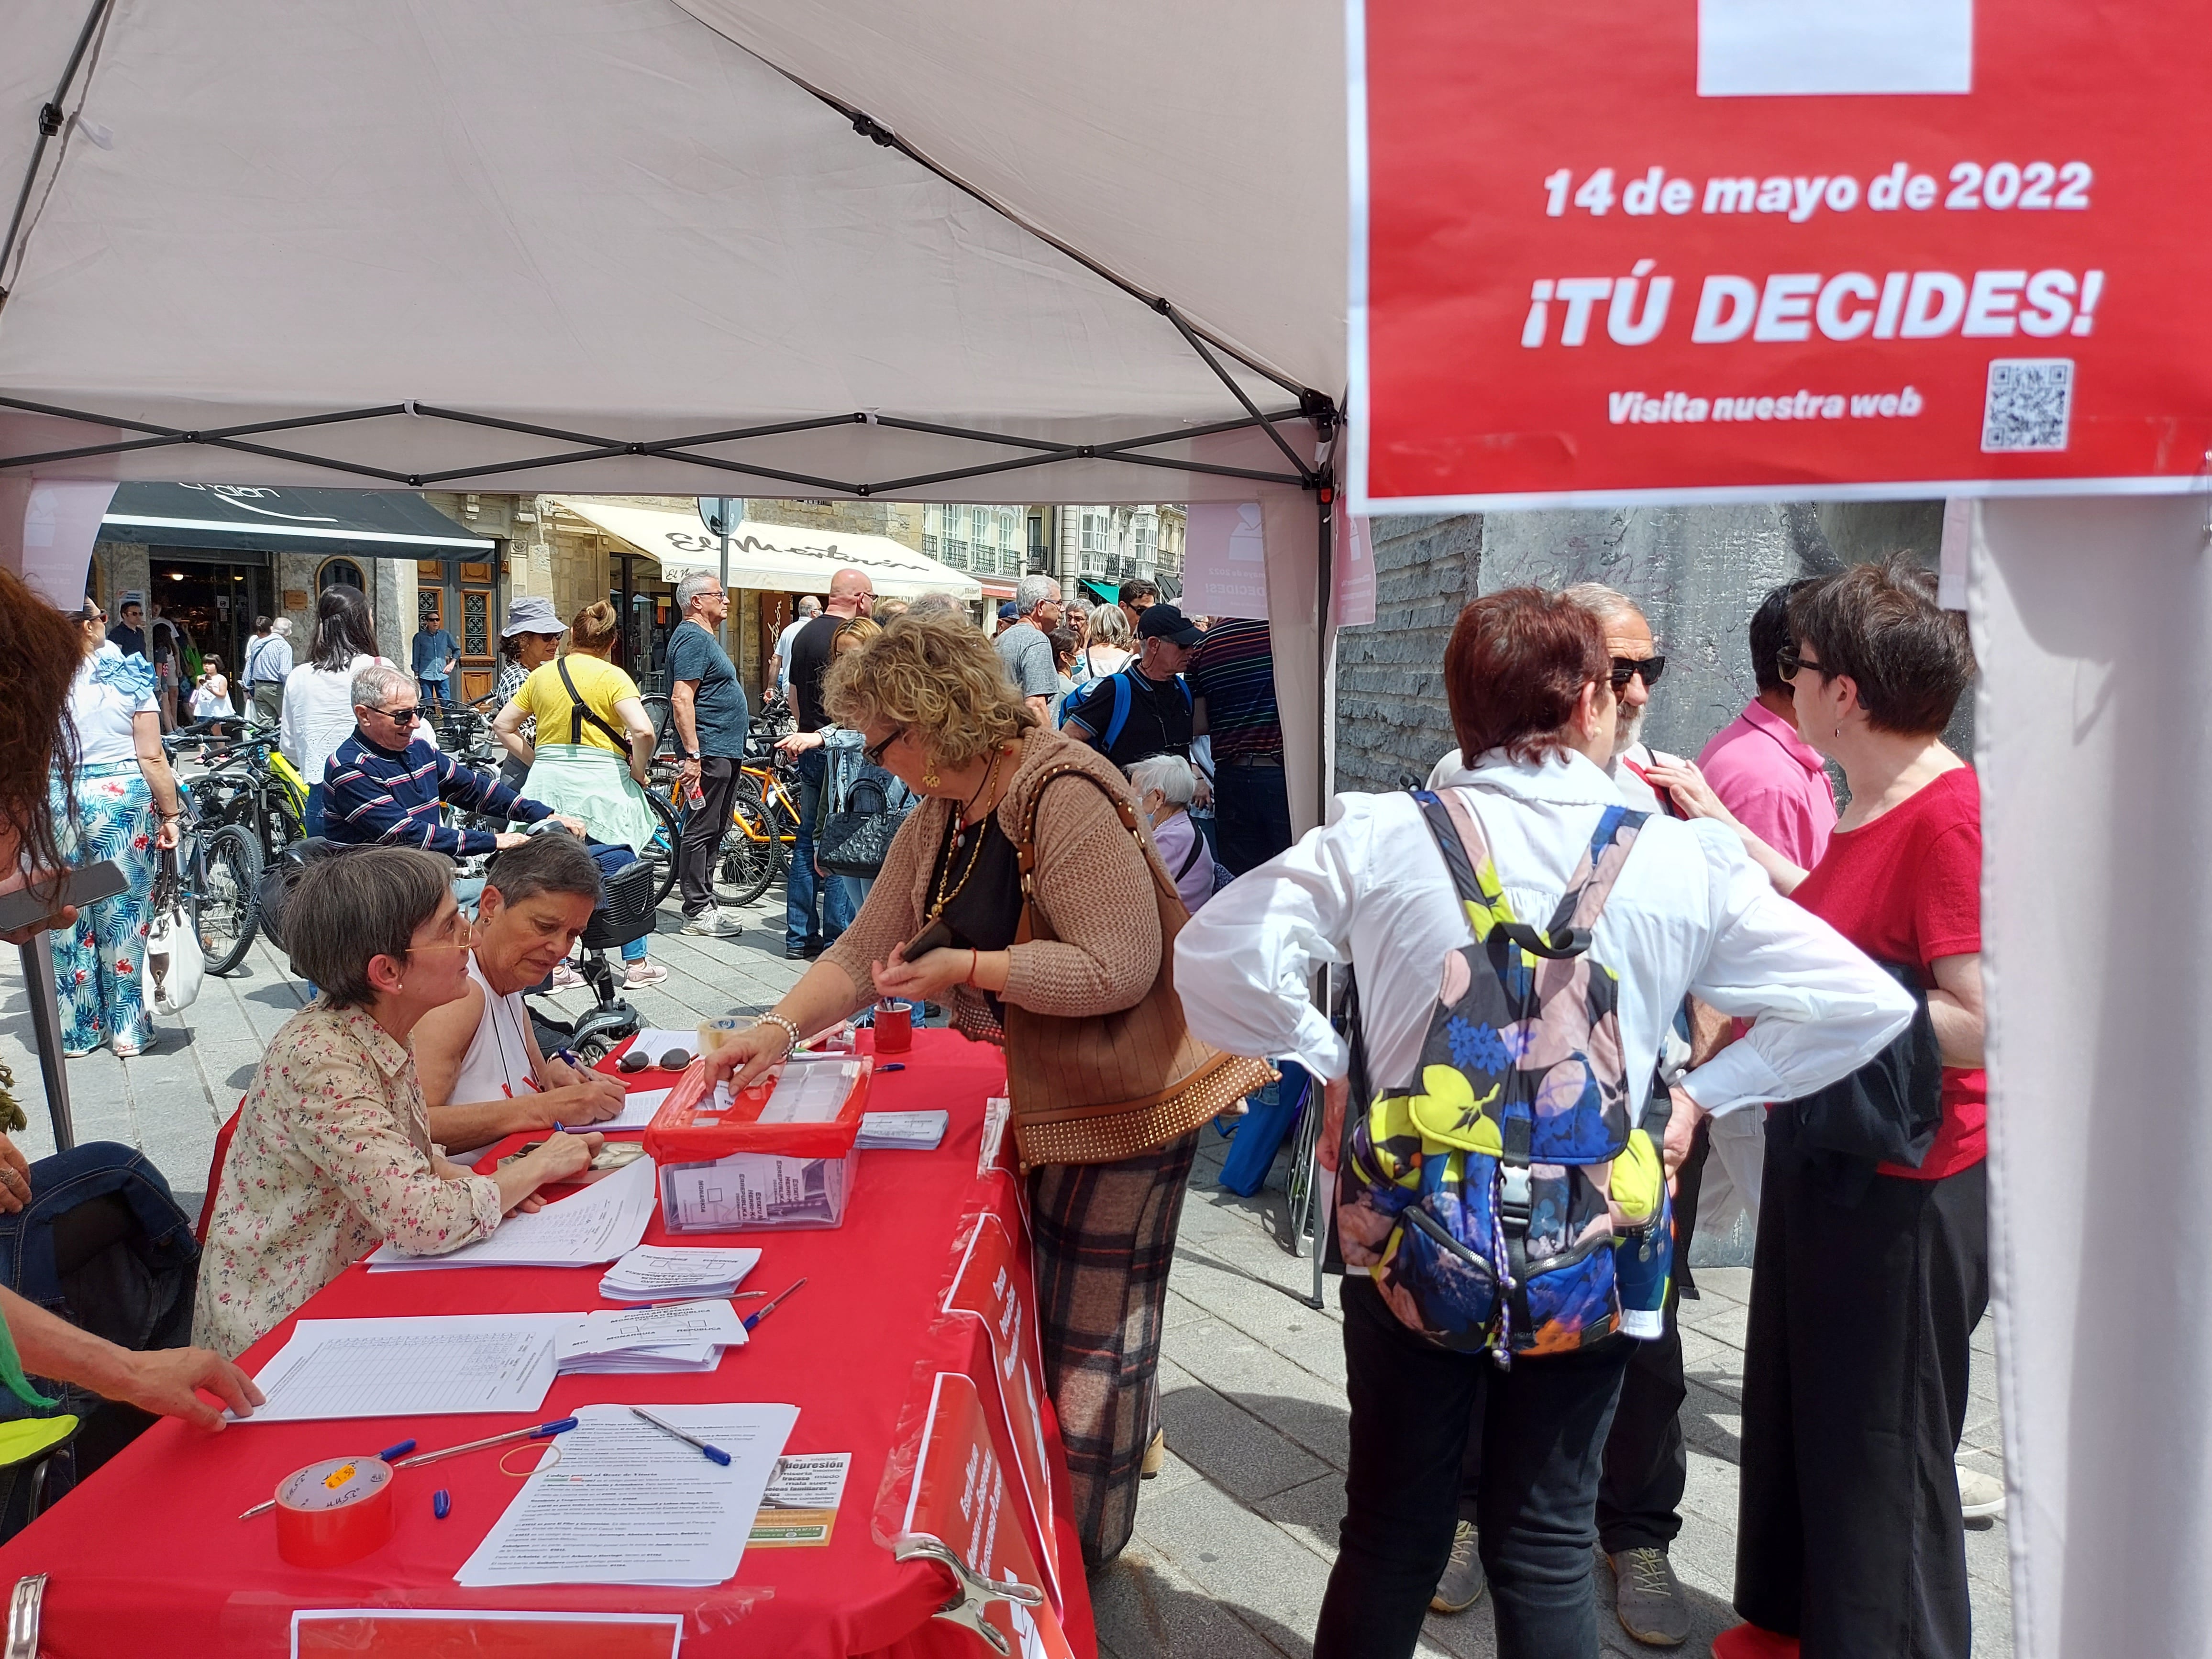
<point>660,851</point>
<point>750,858</point>
<point>228,883</point>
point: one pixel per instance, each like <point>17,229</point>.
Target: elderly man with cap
<point>1145,709</point>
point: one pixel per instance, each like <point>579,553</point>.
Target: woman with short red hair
<point>1521,941</point>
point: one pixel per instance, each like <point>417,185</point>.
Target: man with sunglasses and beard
<point>1646,1461</point>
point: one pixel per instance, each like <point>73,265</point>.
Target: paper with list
<point>419,1366</point>
<point>636,1113</point>
<point>624,1504</point>
<point>597,1225</point>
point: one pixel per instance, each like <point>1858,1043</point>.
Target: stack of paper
<point>417,1366</point>
<point>678,1336</point>
<point>661,1272</point>
<point>597,1225</point>
<point>916,1131</point>
<point>625,1504</point>
<point>636,1114</point>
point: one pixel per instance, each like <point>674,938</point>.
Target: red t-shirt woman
<point>1906,887</point>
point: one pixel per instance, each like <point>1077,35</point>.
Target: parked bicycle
<point>250,785</point>
<point>219,874</point>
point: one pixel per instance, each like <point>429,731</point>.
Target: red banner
<point>1834,248</point>
<point>958,1497</point>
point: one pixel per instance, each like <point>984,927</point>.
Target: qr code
<point>2029,402</point>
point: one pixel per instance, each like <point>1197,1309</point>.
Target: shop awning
<point>372,523</point>
<point>1104,592</point>
<point>770,558</point>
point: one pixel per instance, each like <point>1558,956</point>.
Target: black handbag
<point>856,836</point>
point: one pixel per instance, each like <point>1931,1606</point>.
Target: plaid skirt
<point>1104,1238</point>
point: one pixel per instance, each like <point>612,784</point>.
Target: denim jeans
<point>1252,809</point>
<point>809,919</point>
<point>1543,1426</point>
<point>314,824</point>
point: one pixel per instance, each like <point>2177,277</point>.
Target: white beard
<point>1628,730</point>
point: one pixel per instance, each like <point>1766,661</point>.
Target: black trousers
<point>1647,1464</point>
<point>1542,1425</point>
<point>701,837</point>
<point>1848,1531</point>
<point>1251,816</point>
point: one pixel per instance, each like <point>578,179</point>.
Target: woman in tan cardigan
<point>935,706</point>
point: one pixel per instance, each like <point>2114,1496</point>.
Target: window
<point>476,622</point>
<point>1144,538</point>
<point>430,608</point>
<point>339,572</point>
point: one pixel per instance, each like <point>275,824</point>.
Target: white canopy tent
<point>984,251</point>
<point>773,558</point>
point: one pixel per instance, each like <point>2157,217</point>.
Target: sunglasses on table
<point>1625,669</point>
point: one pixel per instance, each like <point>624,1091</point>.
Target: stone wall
<point>1698,573</point>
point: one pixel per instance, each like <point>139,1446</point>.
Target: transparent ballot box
<point>779,1154</point>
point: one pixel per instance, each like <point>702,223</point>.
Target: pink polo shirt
<point>1774,783</point>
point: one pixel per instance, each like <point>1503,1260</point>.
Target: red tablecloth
<point>148,1555</point>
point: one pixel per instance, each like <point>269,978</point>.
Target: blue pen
<point>752,1320</point>
<point>544,1430</point>
<point>715,1453</point>
<point>393,1454</point>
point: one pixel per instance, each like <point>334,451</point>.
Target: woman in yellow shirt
<point>593,747</point>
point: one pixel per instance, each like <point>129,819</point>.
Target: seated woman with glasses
<point>332,1153</point>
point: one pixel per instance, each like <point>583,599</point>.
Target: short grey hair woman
<point>331,1154</point>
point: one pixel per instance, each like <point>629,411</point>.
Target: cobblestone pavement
<point>1235,1538</point>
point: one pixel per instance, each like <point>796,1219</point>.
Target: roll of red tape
<point>334,1511</point>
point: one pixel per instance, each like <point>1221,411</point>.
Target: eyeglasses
<point>874,752</point>
<point>460,933</point>
<point>1788,663</point>
<point>406,716</point>
<point>1625,669</point>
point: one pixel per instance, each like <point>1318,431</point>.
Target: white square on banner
<point>1764,48</point>
<point>1225,560</point>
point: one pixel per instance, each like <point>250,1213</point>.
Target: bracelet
<point>791,1031</point>
<point>970,979</point>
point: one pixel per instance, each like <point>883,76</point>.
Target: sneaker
<point>1981,1497</point>
<point>566,978</point>
<point>1647,1597</point>
<point>1463,1582</point>
<point>641,974</point>
<point>712,923</point>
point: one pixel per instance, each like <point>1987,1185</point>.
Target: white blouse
<point>1690,914</point>
<point>109,690</point>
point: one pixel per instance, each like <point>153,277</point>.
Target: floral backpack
<point>1485,1196</point>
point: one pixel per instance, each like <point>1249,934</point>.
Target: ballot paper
<point>596,1225</point>
<point>625,1504</point>
<point>636,1114</point>
<point>915,1130</point>
<point>676,1336</point>
<point>655,1043</point>
<point>420,1366</point>
<point>665,1273</point>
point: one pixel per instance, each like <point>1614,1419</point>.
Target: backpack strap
<point>581,713</point>
<point>1120,717</point>
<point>1197,850</point>
<point>1591,885</point>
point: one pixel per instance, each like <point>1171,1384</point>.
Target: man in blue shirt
<point>268,660</point>
<point>712,718</point>
<point>385,785</point>
<point>435,651</point>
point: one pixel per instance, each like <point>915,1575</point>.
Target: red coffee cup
<point>894,1028</point>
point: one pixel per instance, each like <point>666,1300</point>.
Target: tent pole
<point>722,527</point>
<point>52,120</point>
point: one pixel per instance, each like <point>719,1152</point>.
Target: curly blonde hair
<point>937,675</point>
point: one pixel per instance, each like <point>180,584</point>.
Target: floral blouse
<point>332,1157</point>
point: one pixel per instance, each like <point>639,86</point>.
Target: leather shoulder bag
<point>1097,1088</point>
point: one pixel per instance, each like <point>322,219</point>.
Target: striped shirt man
<point>1232,674</point>
<point>375,797</point>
